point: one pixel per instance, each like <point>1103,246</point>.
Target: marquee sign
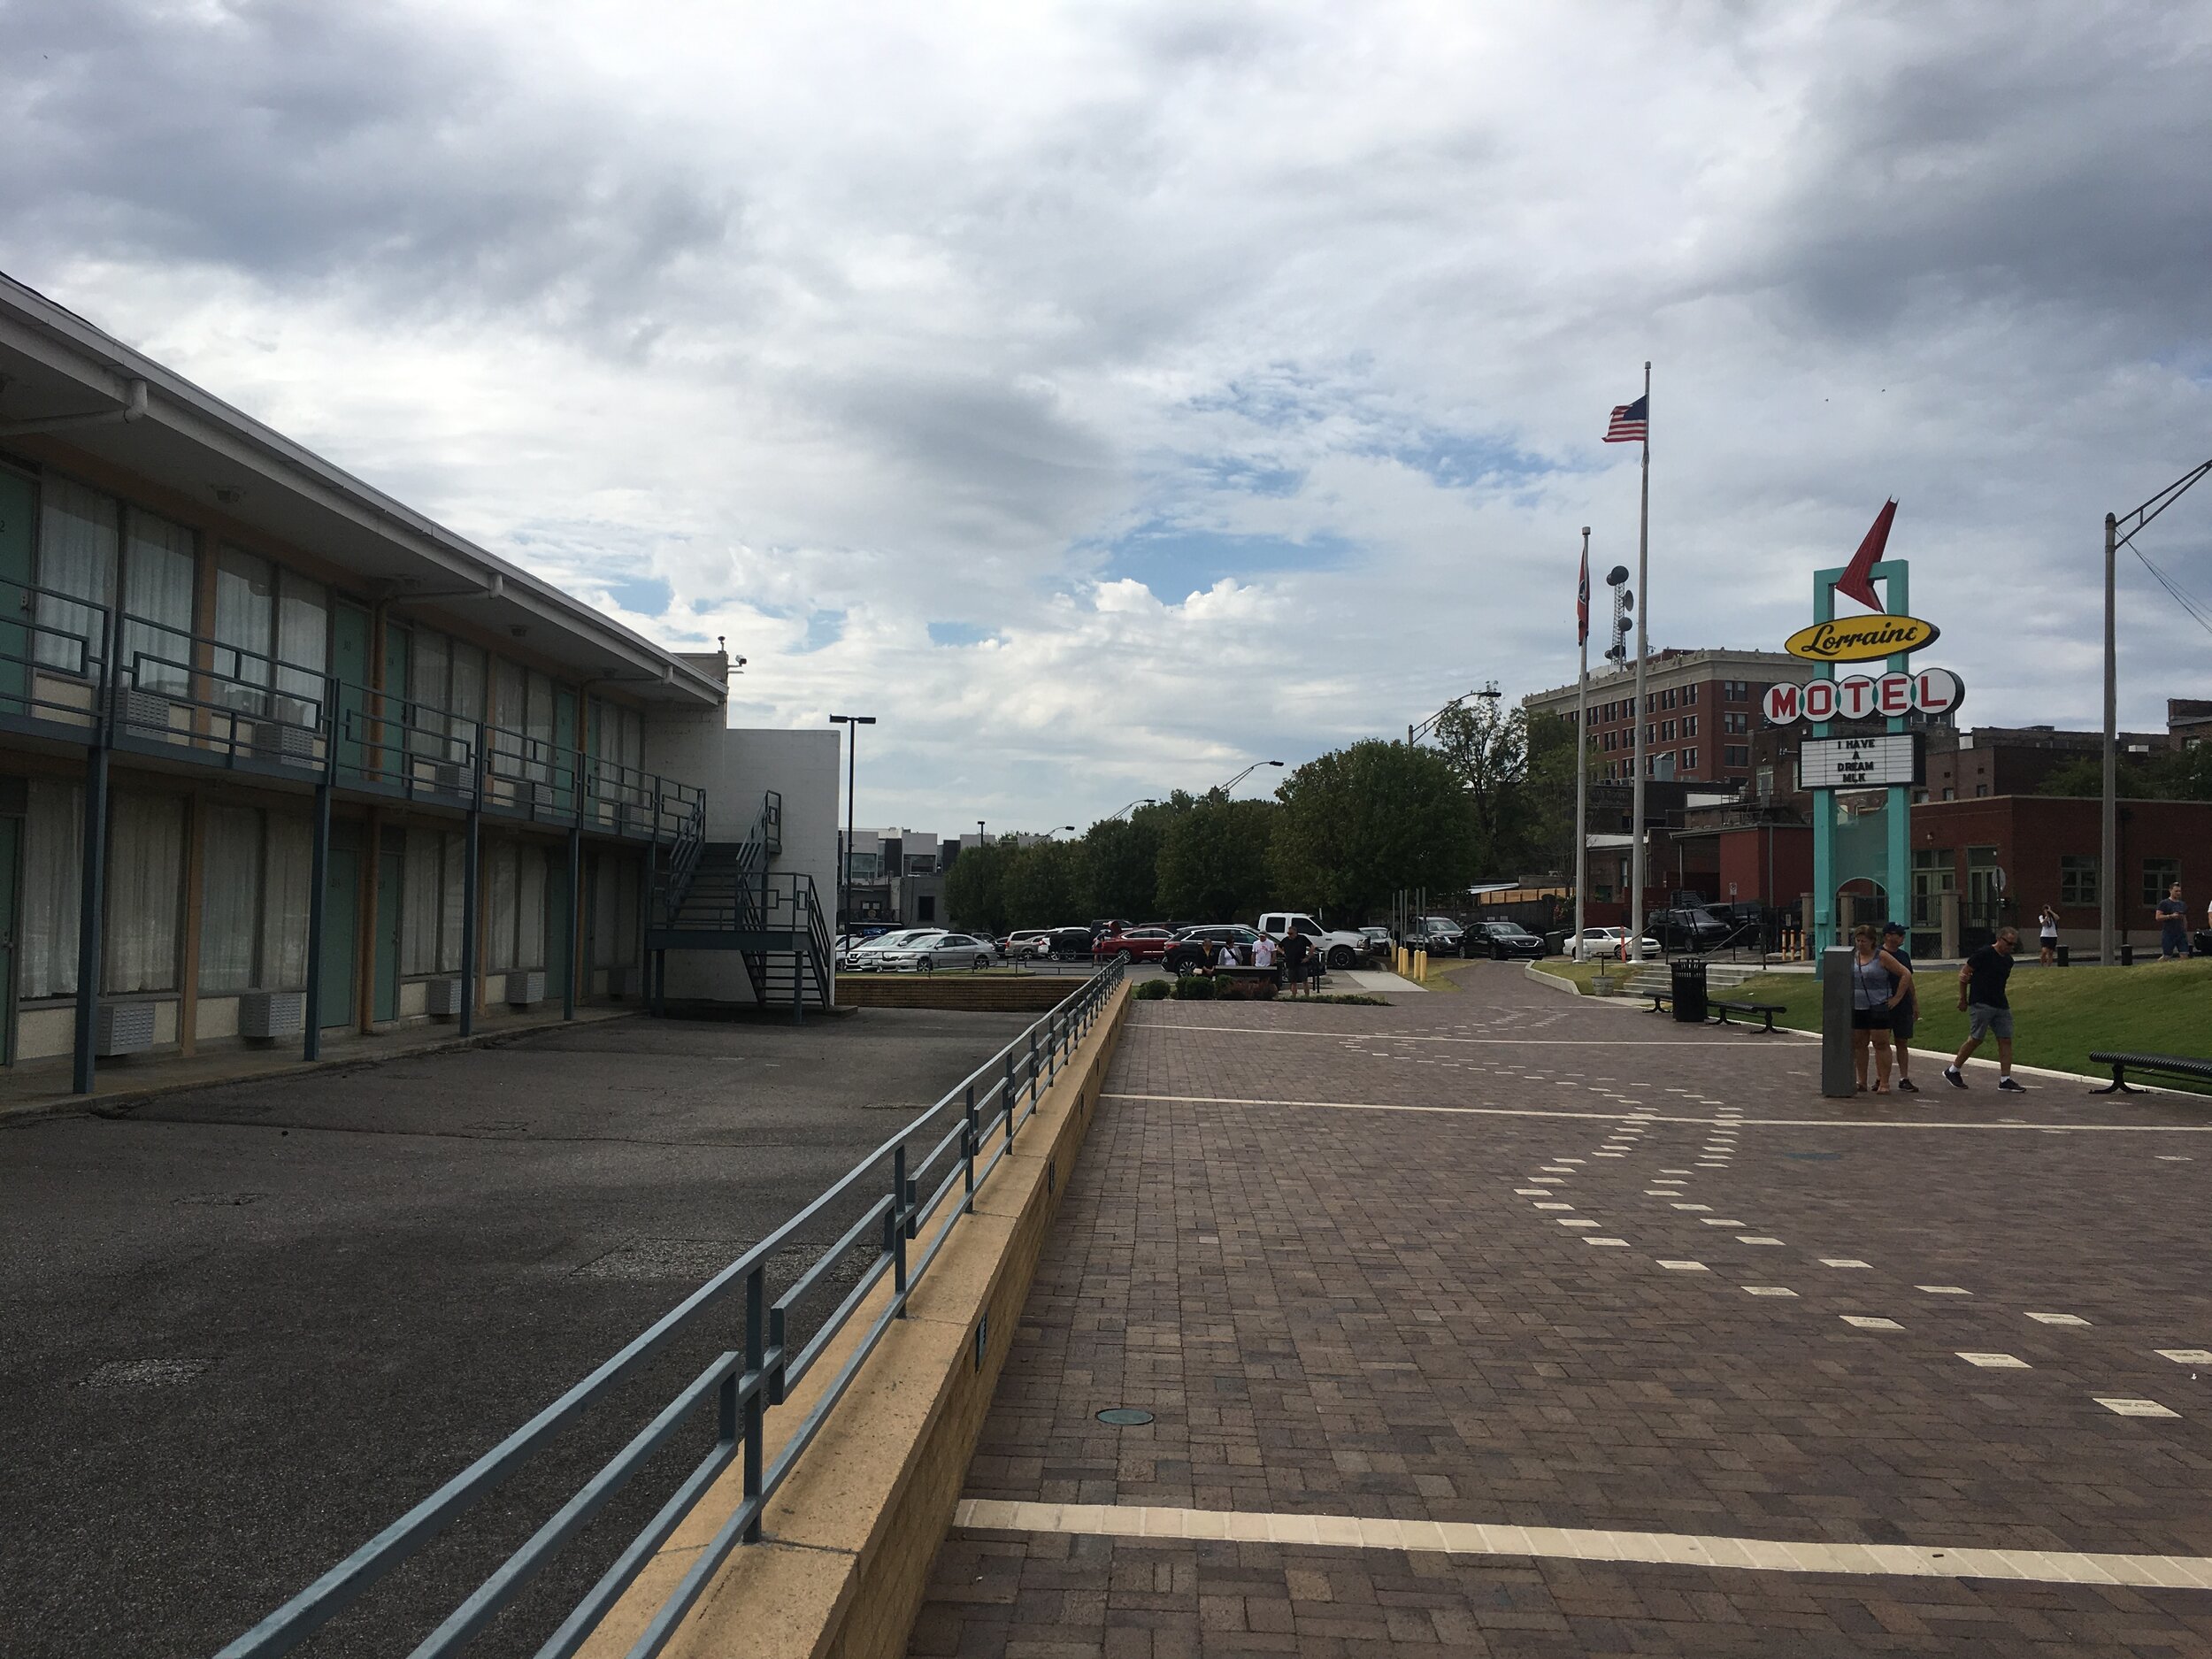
<point>1931,691</point>
<point>1861,639</point>
<point>1859,763</point>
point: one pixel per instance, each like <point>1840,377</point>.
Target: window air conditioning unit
<point>526,990</point>
<point>272,1013</point>
<point>275,740</point>
<point>443,999</point>
<point>146,713</point>
<point>121,1028</point>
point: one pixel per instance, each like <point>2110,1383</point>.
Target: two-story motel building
<point>280,757</point>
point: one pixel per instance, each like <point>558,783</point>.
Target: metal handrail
<point>988,1106</point>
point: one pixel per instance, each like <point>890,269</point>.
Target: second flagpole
<point>1635,942</point>
<point>1582,752</point>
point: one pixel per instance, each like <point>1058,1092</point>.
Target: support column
<point>472,844</point>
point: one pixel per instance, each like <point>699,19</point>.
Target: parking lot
<point>246,1327</point>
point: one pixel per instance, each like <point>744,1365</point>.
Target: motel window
<point>79,534</point>
<point>1666,731</point>
<point>2078,879</point>
<point>1735,691</point>
<point>2158,875</point>
<point>53,851</point>
<point>447,678</point>
<point>538,724</point>
<point>145,893</point>
<point>263,613</point>
<point>431,903</point>
<point>158,571</point>
<point>514,873</point>
<point>253,906</point>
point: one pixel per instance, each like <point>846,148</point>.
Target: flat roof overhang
<point>53,363</point>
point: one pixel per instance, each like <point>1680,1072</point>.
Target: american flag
<point>1627,424</point>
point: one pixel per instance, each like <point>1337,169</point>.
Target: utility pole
<point>1582,726</point>
<point>852,723</point>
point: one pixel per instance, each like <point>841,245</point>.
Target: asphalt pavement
<point>247,1327</point>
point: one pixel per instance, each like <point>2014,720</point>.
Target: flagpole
<point>1582,752</point>
<point>1643,617</point>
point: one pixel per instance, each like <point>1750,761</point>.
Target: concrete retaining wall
<point>978,993</point>
<point>849,1539</point>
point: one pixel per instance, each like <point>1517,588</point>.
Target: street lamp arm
<point>1247,773</point>
<point>2143,516</point>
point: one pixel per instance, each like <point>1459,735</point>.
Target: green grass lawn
<point>2059,1013</point>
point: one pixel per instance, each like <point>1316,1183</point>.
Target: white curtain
<point>508,712</point>
<point>453,908</point>
<point>427,678</point>
<point>302,645</point>
<point>230,899</point>
<point>540,725</point>
<point>245,617</point>
<point>53,861</point>
<point>421,890</point>
<point>158,583</point>
<point>530,909</point>
<point>287,881</point>
<point>77,538</point>
<point>144,893</point>
<point>500,877</point>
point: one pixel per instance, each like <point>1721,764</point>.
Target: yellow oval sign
<point>1860,639</point>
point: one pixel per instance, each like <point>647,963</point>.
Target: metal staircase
<point>721,895</point>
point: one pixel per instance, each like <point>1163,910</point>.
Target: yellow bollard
<point>1421,967</point>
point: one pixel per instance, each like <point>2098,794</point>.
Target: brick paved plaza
<point>1510,1260</point>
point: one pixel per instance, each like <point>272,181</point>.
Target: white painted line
<point>1612,1155</point>
<point>1552,1206</point>
<point>1716,1221</point>
<point>1546,1543</point>
<point>1944,1290</point>
<point>1674,1172</point>
<point>2186,1355</point>
<point>1996,1362</point>
<point>1769,1290</point>
<point>2058,1319</point>
<point>1689,1207</point>
<point>1530,1192</point>
<point>1843,1260</point>
<point>2134,1408</point>
<point>1867,1322</point>
<point>1756,1238</point>
<point>1576,1222</point>
<point>1685,1267</point>
<point>1619,1244</point>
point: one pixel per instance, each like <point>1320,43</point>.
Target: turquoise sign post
<point>1857,844</point>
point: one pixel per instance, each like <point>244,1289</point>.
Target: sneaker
<point>1906,1086</point>
<point>2010,1085</point>
<point>1951,1076</point>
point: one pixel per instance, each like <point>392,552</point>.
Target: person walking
<point>1905,1013</point>
<point>2048,928</point>
<point>2173,924</point>
<point>1295,946</point>
<point>1874,977</point>
<point>1982,995</point>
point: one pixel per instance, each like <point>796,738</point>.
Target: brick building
<point>1702,708</point>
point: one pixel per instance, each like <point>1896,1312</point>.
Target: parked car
<point>867,957</point>
<point>1439,935</point>
<point>1381,942</point>
<point>1598,943</point>
<point>1025,944</point>
<point>1108,924</point>
<point>1068,944</point>
<point>1132,944</point>
<point>1503,941</point>
<point>1338,949</point>
<point>1688,929</point>
<point>1201,947</point>
<point>935,950</point>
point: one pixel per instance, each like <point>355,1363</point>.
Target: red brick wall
<point>2030,833</point>
<point>1743,860</point>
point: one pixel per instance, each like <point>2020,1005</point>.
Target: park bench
<point>1766,1011</point>
<point>2172,1064</point>
<point>1252,982</point>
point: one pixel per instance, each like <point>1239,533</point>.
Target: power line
<point>2196,611</point>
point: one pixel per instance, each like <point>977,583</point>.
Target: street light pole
<point>852,723</point>
<point>1582,752</point>
<point>2108,859</point>
<point>1247,773</point>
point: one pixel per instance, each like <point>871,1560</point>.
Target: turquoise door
<point>350,665</point>
<point>342,934</point>
<point>391,870</point>
<point>18,516</point>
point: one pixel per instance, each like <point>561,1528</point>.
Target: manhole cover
<point>1124,1417</point>
<point>1813,1157</point>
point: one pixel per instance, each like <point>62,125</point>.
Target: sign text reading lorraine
<point>1859,763</point>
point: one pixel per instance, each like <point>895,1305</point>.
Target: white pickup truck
<point>1336,948</point>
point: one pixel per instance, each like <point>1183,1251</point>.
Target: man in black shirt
<point>1296,947</point>
<point>2173,924</point>
<point>1982,995</point>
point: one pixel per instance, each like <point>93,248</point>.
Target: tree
<point>1214,861</point>
<point>2172,774</point>
<point>1122,859</point>
<point>1043,886</point>
<point>1547,828</point>
<point>1487,745</point>
<point>1360,823</point>
<point>975,887</point>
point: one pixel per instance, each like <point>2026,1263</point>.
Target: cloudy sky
<point>1106,396</point>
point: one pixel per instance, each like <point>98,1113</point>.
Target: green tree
<point>1214,863</point>
<point>975,887</point>
<point>1359,823</point>
<point>1122,859</point>
<point>1547,816</point>
<point>2172,774</point>
<point>1487,745</point>
<point>1043,886</point>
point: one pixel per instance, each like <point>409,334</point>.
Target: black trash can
<point>1689,990</point>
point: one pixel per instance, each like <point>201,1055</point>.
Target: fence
<point>985,1110</point>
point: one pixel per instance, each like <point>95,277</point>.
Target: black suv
<point>1437,935</point>
<point>1688,929</point>
<point>1199,946</point>
<point>1501,940</point>
<point>1068,944</point>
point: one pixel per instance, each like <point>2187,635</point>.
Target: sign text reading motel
<point>1861,639</point>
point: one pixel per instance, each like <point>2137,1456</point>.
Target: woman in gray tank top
<point>1878,983</point>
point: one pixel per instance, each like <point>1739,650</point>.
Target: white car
<point>1337,949</point>
<point>1026,944</point>
<point>1598,943</point>
<point>935,950</point>
<point>867,957</point>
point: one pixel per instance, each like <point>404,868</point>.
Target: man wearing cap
<point>1906,1013</point>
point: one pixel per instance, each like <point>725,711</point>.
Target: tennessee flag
<point>1582,603</point>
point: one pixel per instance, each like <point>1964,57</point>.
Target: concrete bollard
<point>1838,1080</point>
<point>1420,967</point>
